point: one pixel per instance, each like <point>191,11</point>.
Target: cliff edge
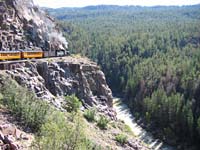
<point>53,78</point>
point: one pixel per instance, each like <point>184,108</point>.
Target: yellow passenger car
<point>32,54</point>
<point>10,55</point>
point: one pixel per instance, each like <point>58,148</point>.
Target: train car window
<point>33,53</point>
<point>4,54</point>
<point>29,53</point>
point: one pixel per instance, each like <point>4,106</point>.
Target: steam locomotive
<point>28,54</point>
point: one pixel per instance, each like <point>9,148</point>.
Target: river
<point>124,114</point>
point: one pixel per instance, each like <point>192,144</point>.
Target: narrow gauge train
<point>14,55</point>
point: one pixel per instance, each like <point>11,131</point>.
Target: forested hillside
<point>151,55</point>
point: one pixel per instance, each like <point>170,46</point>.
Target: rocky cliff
<point>25,26</point>
<point>53,78</point>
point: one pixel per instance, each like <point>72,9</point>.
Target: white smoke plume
<point>55,36</point>
<point>43,24</point>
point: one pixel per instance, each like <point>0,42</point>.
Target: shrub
<point>55,131</point>
<point>127,129</point>
<point>72,103</point>
<point>1,97</point>
<point>102,122</point>
<point>122,139</point>
<point>113,124</point>
<point>57,134</point>
<point>137,116</point>
<point>28,109</point>
<point>90,114</point>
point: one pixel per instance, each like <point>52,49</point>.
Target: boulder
<point>8,136</point>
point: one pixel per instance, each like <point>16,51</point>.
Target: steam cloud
<point>43,24</point>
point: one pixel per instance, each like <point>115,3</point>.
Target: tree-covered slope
<point>151,55</point>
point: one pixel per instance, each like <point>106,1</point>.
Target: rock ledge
<point>53,78</point>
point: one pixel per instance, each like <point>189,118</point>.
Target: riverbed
<point>124,114</point>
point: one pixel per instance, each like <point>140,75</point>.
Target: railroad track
<point>7,65</point>
<point>30,60</point>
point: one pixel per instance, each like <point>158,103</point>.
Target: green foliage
<point>73,104</point>
<point>89,114</point>
<point>147,117</point>
<point>122,139</point>
<point>58,133</point>
<point>169,111</point>
<point>30,111</point>
<point>137,115</point>
<point>1,97</point>
<point>198,125</point>
<point>54,129</point>
<point>149,53</point>
<point>169,133</point>
<point>102,122</point>
<point>127,129</point>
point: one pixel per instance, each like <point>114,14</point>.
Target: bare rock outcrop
<point>11,136</point>
<point>51,79</point>
<point>24,26</point>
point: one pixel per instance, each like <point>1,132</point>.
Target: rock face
<point>11,137</point>
<point>51,79</point>
<point>25,26</point>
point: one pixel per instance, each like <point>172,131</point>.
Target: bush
<point>90,115</point>
<point>122,139</point>
<point>57,134</point>
<point>1,98</point>
<point>137,115</point>
<point>53,132</point>
<point>28,109</point>
<point>72,103</point>
<point>127,129</point>
<point>102,122</point>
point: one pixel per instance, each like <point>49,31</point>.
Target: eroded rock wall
<point>24,26</point>
<point>51,79</point>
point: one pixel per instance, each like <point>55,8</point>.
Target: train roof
<point>17,51</point>
<point>9,51</point>
<point>31,51</point>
